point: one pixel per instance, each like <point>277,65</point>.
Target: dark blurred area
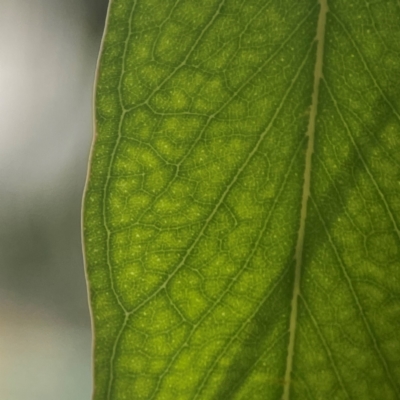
<point>48,53</point>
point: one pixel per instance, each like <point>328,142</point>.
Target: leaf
<point>242,214</point>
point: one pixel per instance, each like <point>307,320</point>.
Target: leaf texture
<point>242,211</point>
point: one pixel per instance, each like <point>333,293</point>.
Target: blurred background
<point>48,53</point>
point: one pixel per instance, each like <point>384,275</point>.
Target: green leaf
<point>242,213</point>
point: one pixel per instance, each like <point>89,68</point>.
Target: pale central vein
<point>320,37</point>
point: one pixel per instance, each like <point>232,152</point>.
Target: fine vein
<point>306,193</point>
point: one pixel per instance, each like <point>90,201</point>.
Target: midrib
<point>320,37</point>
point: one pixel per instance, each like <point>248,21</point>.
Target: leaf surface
<point>242,212</point>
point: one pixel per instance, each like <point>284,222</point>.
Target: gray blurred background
<point>48,52</point>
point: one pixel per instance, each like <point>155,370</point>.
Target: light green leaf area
<point>242,214</point>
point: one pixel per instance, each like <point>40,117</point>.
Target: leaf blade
<point>193,205</point>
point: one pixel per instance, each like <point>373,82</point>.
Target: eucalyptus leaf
<point>242,211</point>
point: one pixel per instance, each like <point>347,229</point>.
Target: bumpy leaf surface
<point>242,213</point>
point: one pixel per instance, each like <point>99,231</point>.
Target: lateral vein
<point>320,38</point>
